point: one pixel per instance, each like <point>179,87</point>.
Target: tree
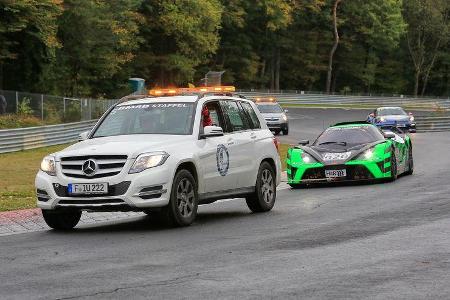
<point>179,35</point>
<point>428,31</point>
<point>335,45</point>
<point>27,22</point>
<point>98,38</point>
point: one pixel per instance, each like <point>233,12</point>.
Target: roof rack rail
<point>133,97</point>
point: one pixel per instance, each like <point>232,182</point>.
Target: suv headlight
<point>148,160</point>
<point>284,117</point>
<point>48,165</point>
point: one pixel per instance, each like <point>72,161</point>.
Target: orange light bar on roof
<point>196,90</point>
<point>271,99</point>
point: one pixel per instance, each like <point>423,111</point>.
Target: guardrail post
<point>42,107</point>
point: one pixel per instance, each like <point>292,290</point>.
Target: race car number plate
<point>335,173</point>
<point>87,188</point>
<point>336,156</point>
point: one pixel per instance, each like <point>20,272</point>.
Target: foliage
<point>19,121</point>
<point>24,107</point>
<point>91,47</point>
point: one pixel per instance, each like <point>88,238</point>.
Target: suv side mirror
<point>83,136</point>
<point>286,111</point>
<point>389,135</point>
<point>303,142</point>
<point>211,131</point>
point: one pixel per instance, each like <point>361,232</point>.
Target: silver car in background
<point>274,114</point>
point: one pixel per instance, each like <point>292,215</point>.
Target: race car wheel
<point>263,199</point>
<point>285,131</point>
<point>410,162</point>
<point>393,166</point>
<point>61,220</point>
<point>183,204</point>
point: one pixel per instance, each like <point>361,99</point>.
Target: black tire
<point>410,162</point>
<point>183,204</point>
<point>285,131</point>
<point>263,199</point>
<point>61,220</point>
<point>394,174</point>
<point>296,185</point>
<point>277,132</point>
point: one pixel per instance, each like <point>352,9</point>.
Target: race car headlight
<point>284,117</point>
<point>308,159</point>
<point>367,155</point>
<point>148,160</point>
<point>382,119</point>
<point>48,165</point>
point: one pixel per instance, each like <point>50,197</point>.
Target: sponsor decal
<point>155,105</point>
<point>223,160</point>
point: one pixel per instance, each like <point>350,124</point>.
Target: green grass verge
<point>17,172</point>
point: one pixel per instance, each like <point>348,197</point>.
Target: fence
<point>35,137</point>
<point>55,109</point>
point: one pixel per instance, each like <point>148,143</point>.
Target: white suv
<point>164,156</point>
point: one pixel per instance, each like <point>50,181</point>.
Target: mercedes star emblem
<point>89,167</point>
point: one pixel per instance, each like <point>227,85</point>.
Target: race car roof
<point>352,124</point>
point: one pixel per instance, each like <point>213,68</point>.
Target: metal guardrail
<point>34,137</point>
<point>433,124</point>
<point>342,100</point>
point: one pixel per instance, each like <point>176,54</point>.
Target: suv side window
<point>215,114</point>
<point>235,116</point>
<point>252,115</point>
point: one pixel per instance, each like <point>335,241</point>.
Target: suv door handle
<point>253,135</point>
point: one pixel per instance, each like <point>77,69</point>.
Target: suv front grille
<point>107,165</point>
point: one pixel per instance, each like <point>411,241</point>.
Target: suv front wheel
<point>263,199</point>
<point>183,204</point>
<point>61,220</point>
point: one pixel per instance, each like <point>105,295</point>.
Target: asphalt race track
<point>378,241</point>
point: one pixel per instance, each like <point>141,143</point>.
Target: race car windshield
<point>391,112</point>
<point>154,118</point>
<point>347,137</point>
<point>269,108</point>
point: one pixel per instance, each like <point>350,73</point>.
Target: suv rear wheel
<point>183,204</point>
<point>263,199</point>
<point>61,220</point>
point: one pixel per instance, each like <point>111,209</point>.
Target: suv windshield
<point>154,118</point>
<point>349,136</point>
<point>396,111</point>
<point>269,108</point>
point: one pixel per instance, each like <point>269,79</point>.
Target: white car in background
<point>165,156</point>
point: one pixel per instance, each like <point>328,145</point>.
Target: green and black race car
<point>351,151</point>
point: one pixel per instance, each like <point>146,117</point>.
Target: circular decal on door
<point>223,160</point>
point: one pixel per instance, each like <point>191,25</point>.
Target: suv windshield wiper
<point>332,142</point>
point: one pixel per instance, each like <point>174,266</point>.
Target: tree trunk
<point>1,76</point>
<point>263,73</point>
<point>416,85</point>
<point>277,70</point>
<point>335,45</point>
<point>272,73</point>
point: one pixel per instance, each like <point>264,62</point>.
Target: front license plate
<point>335,173</point>
<point>87,188</point>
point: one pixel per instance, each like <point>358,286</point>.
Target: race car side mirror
<point>371,115</point>
<point>303,142</point>
<point>211,131</point>
<point>83,136</point>
<point>389,135</point>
